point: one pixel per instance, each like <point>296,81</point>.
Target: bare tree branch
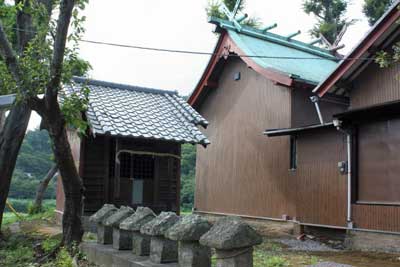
<point>9,55</point>
<point>63,22</point>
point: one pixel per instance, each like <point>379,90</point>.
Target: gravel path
<point>307,245</point>
<point>329,264</point>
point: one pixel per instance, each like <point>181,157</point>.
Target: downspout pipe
<point>338,125</point>
<point>315,100</point>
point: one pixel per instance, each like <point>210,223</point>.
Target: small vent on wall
<point>236,77</point>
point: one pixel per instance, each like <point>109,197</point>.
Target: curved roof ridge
<point>276,38</point>
<point>122,86</point>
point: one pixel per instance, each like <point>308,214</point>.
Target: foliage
<point>23,205</point>
<point>50,244</point>
<point>33,163</point>
<point>276,261</point>
<point>330,16</point>
<point>64,259</point>
<point>16,252</point>
<point>188,163</point>
<point>35,156</point>
<point>72,108</point>
<point>374,9</point>
<point>36,59</point>
<point>214,10</point>
<point>386,59</point>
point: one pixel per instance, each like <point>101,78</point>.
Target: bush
<point>64,259</point>
<point>276,261</point>
<point>17,251</point>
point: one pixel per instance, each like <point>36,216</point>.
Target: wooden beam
<point>211,84</point>
<point>117,180</point>
<point>178,184</point>
<point>107,169</point>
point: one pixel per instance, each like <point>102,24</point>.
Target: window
<point>379,162</point>
<point>140,167</point>
<point>136,183</point>
<point>293,152</point>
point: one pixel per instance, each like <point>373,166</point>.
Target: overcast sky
<point>181,25</point>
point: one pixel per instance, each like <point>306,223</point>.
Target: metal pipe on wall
<point>349,166</point>
<point>348,133</point>
<point>315,100</point>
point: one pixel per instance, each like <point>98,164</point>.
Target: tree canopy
<point>38,61</point>
<point>331,18</point>
<point>374,9</point>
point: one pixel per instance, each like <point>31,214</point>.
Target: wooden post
<point>178,183</point>
<point>156,184</point>
<point>117,172</point>
<point>107,169</point>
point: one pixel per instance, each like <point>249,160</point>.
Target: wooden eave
<point>224,48</point>
<point>362,50</point>
<point>365,114</point>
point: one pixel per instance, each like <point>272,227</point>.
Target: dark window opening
<point>293,152</point>
<point>142,167</point>
<point>137,178</point>
<point>125,166</point>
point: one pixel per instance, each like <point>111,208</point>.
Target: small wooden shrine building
<point>131,154</point>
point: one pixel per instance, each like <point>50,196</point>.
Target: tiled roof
<point>298,60</point>
<point>131,111</point>
<point>6,101</point>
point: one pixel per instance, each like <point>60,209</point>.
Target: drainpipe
<point>315,100</point>
<point>337,124</point>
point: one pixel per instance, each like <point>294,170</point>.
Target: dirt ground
<point>279,249</point>
<point>298,254</point>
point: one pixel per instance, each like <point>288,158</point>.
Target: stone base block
<point>122,239</point>
<point>235,258</point>
<point>194,255</point>
<point>163,250</point>
<point>104,234</point>
<point>140,244</point>
<point>106,256</point>
<point>369,241</point>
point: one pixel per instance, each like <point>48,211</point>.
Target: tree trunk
<point>72,183</point>
<point>2,119</point>
<point>37,206</point>
<point>10,142</point>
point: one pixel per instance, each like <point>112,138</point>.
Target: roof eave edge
<point>345,65</point>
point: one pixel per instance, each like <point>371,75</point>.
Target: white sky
<point>182,25</point>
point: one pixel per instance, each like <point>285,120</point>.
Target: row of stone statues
<point>169,238</point>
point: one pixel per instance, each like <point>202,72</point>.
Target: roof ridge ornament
<point>270,27</point>
<point>290,36</point>
<point>231,15</point>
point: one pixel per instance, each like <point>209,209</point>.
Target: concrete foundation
<point>106,256</point>
<point>122,239</point>
<point>369,241</point>
<point>104,234</point>
<point>235,258</point>
<point>163,250</point>
<point>194,255</point>
<point>140,244</point>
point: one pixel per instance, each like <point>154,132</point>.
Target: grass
<point>22,205</point>
<point>10,218</point>
<point>25,247</point>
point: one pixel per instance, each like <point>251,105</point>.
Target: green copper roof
<point>298,60</point>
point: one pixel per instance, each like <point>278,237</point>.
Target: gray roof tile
<point>124,110</point>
